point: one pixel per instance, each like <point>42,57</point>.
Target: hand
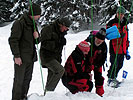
<point>18,61</point>
<point>128,55</point>
<point>90,76</point>
<point>35,34</point>
<point>100,90</point>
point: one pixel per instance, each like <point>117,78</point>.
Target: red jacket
<point>119,45</point>
<point>78,67</point>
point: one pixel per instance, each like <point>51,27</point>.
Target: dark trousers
<point>22,78</point>
<point>115,66</point>
<point>55,72</point>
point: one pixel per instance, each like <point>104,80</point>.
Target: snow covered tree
<point>20,6</point>
<point>5,12</point>
<point>77,10</point>
<point>109,7</point>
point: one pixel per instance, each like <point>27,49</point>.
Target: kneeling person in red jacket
<point>77,76</point>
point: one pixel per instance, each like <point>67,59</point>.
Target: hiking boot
<point>113,82</point>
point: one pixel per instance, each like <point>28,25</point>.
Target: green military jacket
<point>51,47</point>
<point>21,41</point>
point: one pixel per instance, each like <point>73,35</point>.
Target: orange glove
<point>100,90</point>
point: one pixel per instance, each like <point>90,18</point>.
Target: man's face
<point>120,15</point>
<point>98,41</point>
<point>63,28</point>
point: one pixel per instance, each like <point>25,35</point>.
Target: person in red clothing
<point>118,46</point>
<point>78,67</point>
<point>77,76</point>
<point>97,57</point>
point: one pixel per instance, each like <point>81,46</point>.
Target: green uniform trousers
<point>22,78</point>
<point>55,72</point>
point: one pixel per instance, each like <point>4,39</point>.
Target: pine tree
<point>5,12</point>
<point>20,6</point>
<point>77,10</point>
<point>109,7</point>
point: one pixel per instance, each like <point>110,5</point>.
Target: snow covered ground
<point>125,92</point>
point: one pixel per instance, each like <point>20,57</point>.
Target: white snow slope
<point>125,92</point>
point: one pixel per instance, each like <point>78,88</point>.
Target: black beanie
<point>101,34</point>
<point>65,21</point>
<point>36,9</point>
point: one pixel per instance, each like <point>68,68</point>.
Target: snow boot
<point>113,83</point>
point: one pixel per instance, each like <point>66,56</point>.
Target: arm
<point>127,45</point>
<point>48,39</point>
<point>14,39</point>
<point>70,68</point>
<point>101,57</point>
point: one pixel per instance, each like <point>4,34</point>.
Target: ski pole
<point>37,45</point>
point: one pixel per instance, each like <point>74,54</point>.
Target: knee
<point>62,70</point>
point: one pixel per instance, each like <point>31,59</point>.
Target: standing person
<point>77,76</point>
<point>22,43</point>
<point>52,42</point>
<point>97,57</point>
<point>118,46</point>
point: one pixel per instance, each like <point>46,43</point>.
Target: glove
<point>122,35</point>
<point>128,55</point>
<point>100,90</point>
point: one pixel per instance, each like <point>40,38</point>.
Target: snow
<point>125,92</point>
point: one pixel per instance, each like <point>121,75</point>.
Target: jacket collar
<point>122,22</point>
<point>27,19</point>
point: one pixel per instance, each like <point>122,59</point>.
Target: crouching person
<point>77,76</point>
